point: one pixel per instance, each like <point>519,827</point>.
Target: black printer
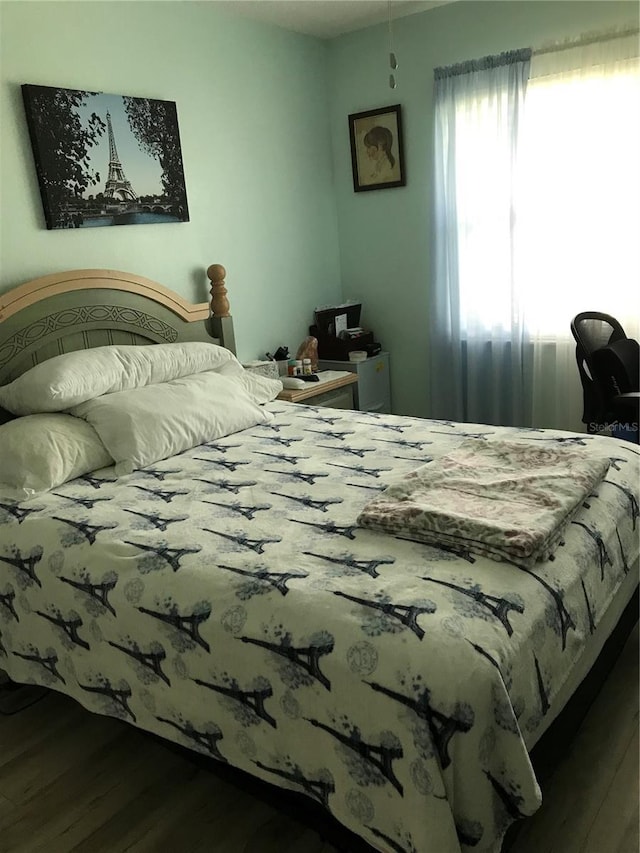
<point>338,332</point>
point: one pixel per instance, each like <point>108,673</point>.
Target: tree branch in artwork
<point>63,141</point>
<point>155,126</point>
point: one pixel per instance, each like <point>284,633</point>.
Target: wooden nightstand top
<point>312,389</point>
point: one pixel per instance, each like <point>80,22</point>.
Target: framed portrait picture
<point>105,159</point>
<point>377,155</point>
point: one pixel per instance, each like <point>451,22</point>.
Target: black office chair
<point>609,367</point>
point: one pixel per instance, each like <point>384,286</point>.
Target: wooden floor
<point>73,781</point>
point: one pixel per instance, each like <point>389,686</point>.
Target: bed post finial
<point>219,302</point>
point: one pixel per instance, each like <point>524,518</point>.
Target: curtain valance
<point>483,64</point>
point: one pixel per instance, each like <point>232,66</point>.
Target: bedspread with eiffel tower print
<point>226,599</point>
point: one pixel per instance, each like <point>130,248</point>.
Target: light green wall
<point>385,234</point>
<point>253,115</point>
<point>263,123</point>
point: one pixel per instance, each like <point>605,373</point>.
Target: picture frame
<point>377,150</point>
<point>105,159</point>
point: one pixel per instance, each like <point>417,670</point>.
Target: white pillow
<point>261,389</point>
<point>142,425</point>
<point>39,452</point>
<point>69,379</point>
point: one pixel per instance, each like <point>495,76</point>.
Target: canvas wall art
<point>105,159</point>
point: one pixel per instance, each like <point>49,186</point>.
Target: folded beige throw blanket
<point>504,499</point>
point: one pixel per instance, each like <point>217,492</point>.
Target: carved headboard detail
<point>80,309</point>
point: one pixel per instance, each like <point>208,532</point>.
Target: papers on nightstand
<point>324,376</point>
<point>328,381</point>
<point>330,375</point>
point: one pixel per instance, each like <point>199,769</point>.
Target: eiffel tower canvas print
<point>105,159</point>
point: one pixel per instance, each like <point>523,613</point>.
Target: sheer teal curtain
<point>578,243</point>
<point>479,370</point>
<point>537,216</point>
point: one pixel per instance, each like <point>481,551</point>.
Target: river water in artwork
<point>139,218</point>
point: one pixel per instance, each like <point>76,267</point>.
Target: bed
<point>227,599</point>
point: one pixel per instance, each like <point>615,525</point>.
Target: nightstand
<point>334,390</point>
<point>373,391</point>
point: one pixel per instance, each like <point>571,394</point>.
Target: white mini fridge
<point>373,391</point>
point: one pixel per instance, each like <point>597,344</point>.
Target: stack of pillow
<point>128,405</point>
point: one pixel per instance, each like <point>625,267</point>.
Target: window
<point>536,212</point>
<point>578,198</point>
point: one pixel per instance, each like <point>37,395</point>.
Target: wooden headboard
<point>81,309</point>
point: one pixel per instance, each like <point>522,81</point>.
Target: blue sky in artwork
<point>141,169</point>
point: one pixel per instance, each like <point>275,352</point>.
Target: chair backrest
<point>617,367</point>
<point>593,330</point>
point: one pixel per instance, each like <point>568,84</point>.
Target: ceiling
<point>326,18</point>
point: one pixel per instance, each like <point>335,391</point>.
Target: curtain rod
<point>523,54</point>
<point>586,39</point>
